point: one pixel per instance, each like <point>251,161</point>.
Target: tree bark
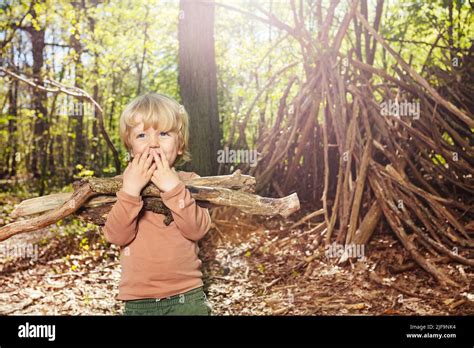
<point>12,128</point>
<point>75,109</point>
<point>41,125</point>
<point>198,84</point>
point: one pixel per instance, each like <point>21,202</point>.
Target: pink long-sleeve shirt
<point>158,260</point>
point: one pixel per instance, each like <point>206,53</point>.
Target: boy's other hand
<point>138,173</point>
<point>164,177</point>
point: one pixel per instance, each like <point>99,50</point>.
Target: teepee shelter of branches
<point>340,140</point>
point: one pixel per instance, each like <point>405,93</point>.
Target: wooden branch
<point>222,195</point>
<point>74,203</point>
<point>98,213</point>
<point>359,190</point>
<point>109,186</point>
<point>368,224</point>
<point>395,223</point>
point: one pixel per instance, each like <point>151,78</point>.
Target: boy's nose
<point>154,148</point>
<point>153,142</point>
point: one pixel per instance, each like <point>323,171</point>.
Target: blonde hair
<point>157,110</point>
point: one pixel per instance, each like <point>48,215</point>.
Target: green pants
<point>193,302</point>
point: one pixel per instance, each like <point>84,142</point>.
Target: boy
<point>160,265</point>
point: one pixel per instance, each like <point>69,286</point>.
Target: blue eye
<point>141,135</point>
<point>166,133</point>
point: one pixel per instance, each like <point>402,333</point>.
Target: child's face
<point>154,138</point>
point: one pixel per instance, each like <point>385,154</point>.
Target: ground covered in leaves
<point>251,266</point>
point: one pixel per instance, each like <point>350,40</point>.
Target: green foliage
<point>115,37</point>
<point>83,172</point>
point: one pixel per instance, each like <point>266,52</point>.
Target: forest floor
<point>251,266</point>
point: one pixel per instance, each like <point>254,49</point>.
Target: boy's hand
<point>138,173</point>
<point>164,177</point>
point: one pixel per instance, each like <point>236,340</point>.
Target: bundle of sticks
<point>93,198</point>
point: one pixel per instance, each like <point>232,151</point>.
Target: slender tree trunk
<point>12,128</point>
<point>77,109</point>
<point>111,113</point>
<point>41,125</point>
<point>95,142</point>
<point>94,162</point>
<point>67,168</point>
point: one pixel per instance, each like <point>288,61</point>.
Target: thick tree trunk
<point>198,83</point>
